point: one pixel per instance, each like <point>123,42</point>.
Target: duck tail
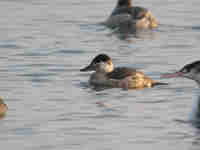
<point>159,83</point>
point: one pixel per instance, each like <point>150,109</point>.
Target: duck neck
<point>197,110</point>
<point>194,115</point>
<point>100,71</point>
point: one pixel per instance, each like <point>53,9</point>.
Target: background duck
<point>190,71</point>
<point>121,77</point>
<point>129,18</point>
<point>3,108</point>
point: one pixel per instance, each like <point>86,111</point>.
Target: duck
<point>105,74</point>
<point>130,18</point>
<point>3,107</point>
<point>190,71</point>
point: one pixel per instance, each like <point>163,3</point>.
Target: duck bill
<point>87,68</point>
<point>173,75</point>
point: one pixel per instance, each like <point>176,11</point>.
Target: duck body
<point>130,78</point>
<point>130,18</point>
<point>101,79</point>
<point>120,77</point>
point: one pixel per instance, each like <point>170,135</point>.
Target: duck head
<point>124,3</point>
<point>101,63</point>
<point>189,71</point>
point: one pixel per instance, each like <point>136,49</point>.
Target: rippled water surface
<point>44,43</point>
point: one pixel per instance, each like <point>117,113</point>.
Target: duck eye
<point>184,70</point>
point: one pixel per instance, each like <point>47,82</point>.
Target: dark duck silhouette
<point>130,18</point>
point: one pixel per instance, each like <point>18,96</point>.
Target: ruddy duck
<point>190,71</point>
<point>3,108</point>
<point>128,17</point>
<point>121,77</point>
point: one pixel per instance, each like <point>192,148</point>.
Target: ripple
<point>38,74</point>
<point>11,46</point>
<point>154,101</point>
<point>96,27</point>
<point>33,54</point>
<point>102,116</point>
<point>57,69</point>
<point>196,27</point>
<point>24,131</point>
<point>40,80</point>
<point>66,51</point>
<point>38,77</point>
<point>181,46</point>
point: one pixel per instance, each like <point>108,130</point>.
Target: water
<point>43,44</point>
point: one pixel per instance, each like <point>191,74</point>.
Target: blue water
<point>43,44</point>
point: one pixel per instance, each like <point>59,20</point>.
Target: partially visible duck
<point>121,77</point>
<point>130,18</point>
<point>3,108</point>
<point>190,71</point>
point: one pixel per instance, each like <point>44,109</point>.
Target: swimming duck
<point>3,107</point>
<point>128,17</point>
<point>121,77</point>
<point>190,71</point>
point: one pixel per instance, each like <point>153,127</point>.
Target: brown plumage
<point>3,107</point>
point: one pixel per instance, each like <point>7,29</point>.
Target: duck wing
<point>121,73</point>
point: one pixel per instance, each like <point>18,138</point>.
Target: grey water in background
<point>44,43</point>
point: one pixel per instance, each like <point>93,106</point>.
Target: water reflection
<point>196,138</point>
<point>129,35</point>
